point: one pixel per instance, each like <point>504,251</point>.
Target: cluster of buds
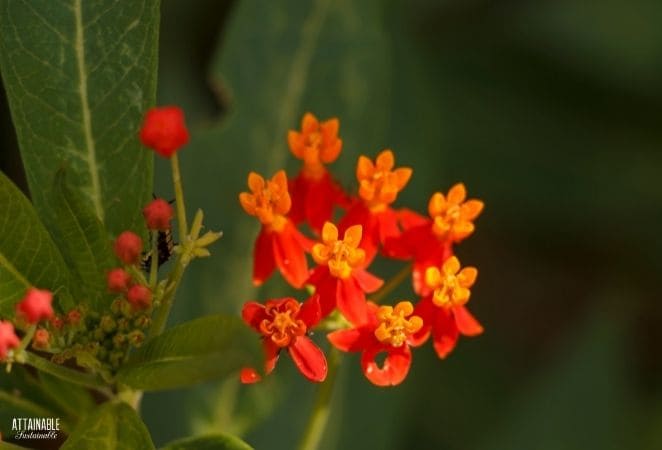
<point>343,249</point>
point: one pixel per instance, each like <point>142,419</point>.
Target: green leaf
<point>212,442</point>
<point>79,76</point>
<point>200,350</point>
<point>83,240</point>
<point>113,426</point>
<point>28,256</point>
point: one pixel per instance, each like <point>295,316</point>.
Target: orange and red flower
<point>279,242</point>
<point>379,185</point>
<point>429,241</point>
<point>387,330</point>
<point>284,324</point>
<point>314,192</point>
<point>340,279</point>
<point>443,311</point>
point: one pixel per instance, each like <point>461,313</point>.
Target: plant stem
<point>163,312</point>
<point>64,373</point>
<point>391,284</point>
<point>320,415</point>
<point>179,198</point>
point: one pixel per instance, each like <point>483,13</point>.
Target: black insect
<point>165,247</point>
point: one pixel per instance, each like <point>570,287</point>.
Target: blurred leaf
<point>212,442</point>
<point>303,57</point>
<point>208,348</point>
<point>79,75</point>
<point>73,400</point>
<point>83,240</point>
<point>28,256</point>
<point>113,426</point>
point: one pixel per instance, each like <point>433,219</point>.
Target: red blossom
<point>386,330</point>
<point>284,324</point>
<point>341,279</point>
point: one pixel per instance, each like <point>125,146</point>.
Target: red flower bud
<point>128,247</point>
<point>164,130</point>
<point>8,338</point>
<point>158,214</point>
<point>139,296</point>
<point>36,305</point>
<point>56,322</point>
<point>118,280</point>
<point>40,339</point>
<point>73,317</point>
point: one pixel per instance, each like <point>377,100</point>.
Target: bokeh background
<point>548,110</point>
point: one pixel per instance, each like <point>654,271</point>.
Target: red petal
<point>248,375</point>
<point>325,287</point>
<point>290,256</point>
<point>309,359</point>
<point>426,310</point>
<point>350,340</point>
<point>388,225</point>
<point>367,281</point>
<point>350,300</point>
<point>263,257</point>
<point>395,368</point>
<point>444,333</point>
<point>253,314</point>
<point>410,219</point>
<point>321,198</point>
<point>466,322</point>
<point>297,190</point>
<point>311,311</point>
<point>271,352</point>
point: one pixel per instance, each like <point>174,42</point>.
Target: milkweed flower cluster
<point>348,231</point>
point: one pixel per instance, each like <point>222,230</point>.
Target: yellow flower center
<point>341,256</point>
<point>269,200</point>
<point>282,326</point>
<point>396,324</point>
<point>379,183</point>
<point>450,284</point>
<point>453,216</point>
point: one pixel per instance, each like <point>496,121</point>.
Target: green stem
<point>73,376</point>
<point>391,284</point>
<point>179,198</point>
<point>320,415</point>
<point>168,296</point>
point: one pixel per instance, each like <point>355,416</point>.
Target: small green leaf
<point>83,240</point>
<point>79,76</point>
<point>200,350</point>
<point>28,256</point>
<point>113,426</point>
<point>212,442</point>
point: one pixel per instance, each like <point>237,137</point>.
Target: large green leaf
<point>200,350</point>
<point>83,240</point>
<point>212,442</point>
<point>113,426</point>
<point>28,256</point>
<point>79,76</point>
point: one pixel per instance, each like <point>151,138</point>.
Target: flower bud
<point>36,305</point>
<point>164,130</point>
<point>41,339</point>
<point>158,214</point>
<point>128,247</point>
<point>118,280</point>
<point>8,338</point>
<point>139,296</point>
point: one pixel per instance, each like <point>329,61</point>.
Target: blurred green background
<point>549,111</point>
